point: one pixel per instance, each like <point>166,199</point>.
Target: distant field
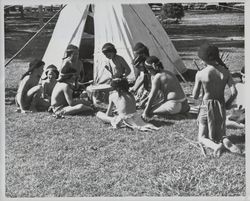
<point>79,156</point>
<point>213,18</point>
<point>226,30</point>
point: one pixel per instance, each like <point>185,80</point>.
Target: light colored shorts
<point>176,106</point>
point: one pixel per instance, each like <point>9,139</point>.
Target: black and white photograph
<point>123,100</point>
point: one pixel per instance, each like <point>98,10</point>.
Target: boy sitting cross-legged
<point>62,102</point>
<point>124,103</point>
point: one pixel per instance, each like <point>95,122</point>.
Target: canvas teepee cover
<point>121,24</point>
<point>68,30</point>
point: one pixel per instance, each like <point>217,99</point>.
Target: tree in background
<point>172,10</point>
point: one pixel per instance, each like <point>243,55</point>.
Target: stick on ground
<point>196,144</point>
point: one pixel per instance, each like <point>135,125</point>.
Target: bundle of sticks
<point>224,56</point>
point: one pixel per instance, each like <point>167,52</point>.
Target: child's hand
<point>18,110</point>
<point>145,116</point>
<point>131,90</point>
<point>25,111</point>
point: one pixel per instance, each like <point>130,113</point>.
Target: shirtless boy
<point>116,65</point>
<point>71,60</point>
<point>49,82</point>
<point>166,95</point>
<point>142,83</point>
<point>213,79</point>
<point>124,103</point>
<point>42,98</point>
<point>29,87</point>
<point>62,102</point>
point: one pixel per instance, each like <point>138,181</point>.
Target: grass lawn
<point>79,156</point>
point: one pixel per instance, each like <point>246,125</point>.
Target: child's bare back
<point>28,85</point>
<point>214,81</point>
<point>58,94</point>
<point>125,103</point>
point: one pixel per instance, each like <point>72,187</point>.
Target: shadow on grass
<point>10,94</point>
<point>164,119</point>
<point>193,45</point>
<point>88,113</point>
<point>160,122</point>
<point>206,30</point>
<point>182,116</point>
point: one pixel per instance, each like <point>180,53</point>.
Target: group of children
<point>156,90</point>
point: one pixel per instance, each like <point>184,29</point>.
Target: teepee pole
<point>161,47</point>
<point>33,37</point>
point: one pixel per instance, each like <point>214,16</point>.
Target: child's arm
<point>233,90</point>
<point>68,93</point>
<point>151,96</point>
<point>197,86</point>
<point>138,82</point>
<point>126,68</point>
<point>22,89</point>
<point>43,89</point>
<point>110,106</point>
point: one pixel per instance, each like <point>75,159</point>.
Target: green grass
<point>79,156</point>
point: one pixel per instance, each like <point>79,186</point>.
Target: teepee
<point>121,24</point>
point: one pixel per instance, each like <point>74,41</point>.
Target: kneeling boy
<point>213,79</point>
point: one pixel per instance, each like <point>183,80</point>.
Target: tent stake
<point>34,36</point>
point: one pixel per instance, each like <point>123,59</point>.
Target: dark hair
<point>120,84</point>
<point>138,60</point>
<point>154,60</point>
<point>70,49</point>
<point>208,52</point>
<point>108,47</point>
<point>140,48</point>
<point>53,68</point>
<point>36,63</point>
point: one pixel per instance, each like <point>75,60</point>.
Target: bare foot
<point>218,150</point>
<point>18,110</point>
<point>26,111</point>
<point>231,147</point>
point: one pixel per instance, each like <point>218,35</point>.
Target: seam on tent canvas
<point>84,17</point>
<point>159,44</point>
<point>121,35</point>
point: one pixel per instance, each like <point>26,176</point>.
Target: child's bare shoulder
<point>198,74</point>
<point>26,78</point>
<point>113,95</point>
<point>204,71</point>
